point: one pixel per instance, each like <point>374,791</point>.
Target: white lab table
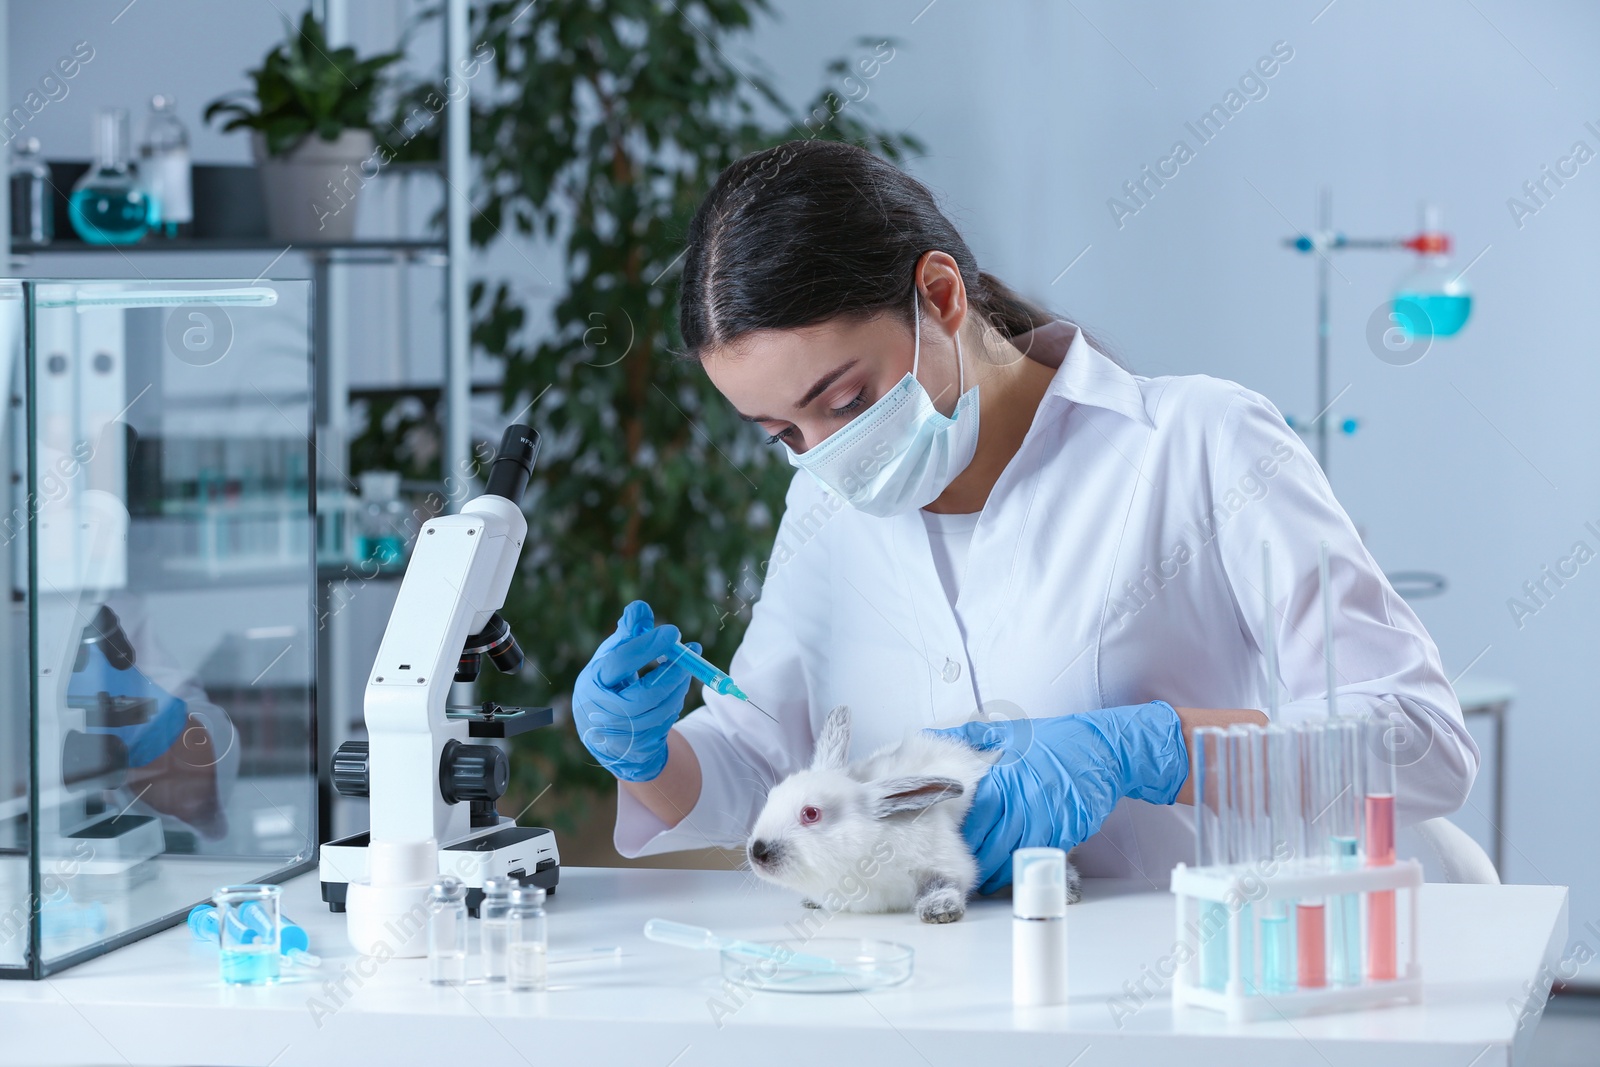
<point>160,1001</point>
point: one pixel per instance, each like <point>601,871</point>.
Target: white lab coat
<point>1117,560</point>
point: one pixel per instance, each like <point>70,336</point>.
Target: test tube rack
<point>1242,998</point>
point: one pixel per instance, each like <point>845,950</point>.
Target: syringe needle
<point>758,707</point>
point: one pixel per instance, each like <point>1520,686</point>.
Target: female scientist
<point>996,529</point>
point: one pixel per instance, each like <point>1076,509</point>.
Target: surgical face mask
<point>900,453</point>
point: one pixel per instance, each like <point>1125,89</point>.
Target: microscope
<point>433,790</point>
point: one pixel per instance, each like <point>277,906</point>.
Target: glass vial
<point>164,166</point>
<point>494,923</point>
<point>1038,927</point>
<point>529,947</point>
<point>447,932</point>
<point>108,206</point>
<point>32,208</point>
<point>381,524</point>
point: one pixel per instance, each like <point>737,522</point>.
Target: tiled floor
<point>1569,1034</point>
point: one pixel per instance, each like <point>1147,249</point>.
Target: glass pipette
<point>710,676</point>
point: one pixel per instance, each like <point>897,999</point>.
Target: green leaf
<point>302,85</point>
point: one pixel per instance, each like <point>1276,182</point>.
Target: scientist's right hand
<point>622,718</point>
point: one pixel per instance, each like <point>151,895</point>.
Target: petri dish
<point>860,964</point>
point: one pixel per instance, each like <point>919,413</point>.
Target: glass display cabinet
<point>157,734</point>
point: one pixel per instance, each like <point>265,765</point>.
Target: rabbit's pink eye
<point>809,815</point>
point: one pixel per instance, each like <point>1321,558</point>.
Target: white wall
<point>1478,461</point>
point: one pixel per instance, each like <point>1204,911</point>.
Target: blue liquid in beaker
<point>250,964</point>
<point>1431,314</point>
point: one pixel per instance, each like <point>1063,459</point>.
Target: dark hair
<point>811,230</point>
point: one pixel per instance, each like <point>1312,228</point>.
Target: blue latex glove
<point>623,719</point>
<point>148,740</point>
<point>1058,778</point>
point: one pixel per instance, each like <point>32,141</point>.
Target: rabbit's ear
<point>833,746</point>
<point>911,794</point>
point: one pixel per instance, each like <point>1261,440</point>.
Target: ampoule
<point>494,924</point>
<point>447,932</point>
<point>530,940</point>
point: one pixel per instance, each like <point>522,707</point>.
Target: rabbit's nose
<point>760,851</point>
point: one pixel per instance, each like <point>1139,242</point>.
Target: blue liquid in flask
<point>1431,314</point>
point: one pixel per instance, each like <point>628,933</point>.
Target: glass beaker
<point>249,919</point>
<point>108,206</point>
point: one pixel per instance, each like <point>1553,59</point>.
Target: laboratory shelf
<point>64,246</point>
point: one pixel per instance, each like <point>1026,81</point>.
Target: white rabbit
<point>882,834</point>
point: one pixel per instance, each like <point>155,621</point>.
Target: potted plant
<point>310,116</point>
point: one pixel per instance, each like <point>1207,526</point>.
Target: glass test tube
<point>1383,735</point>
<point>1211,847</point>
<point>1311,912</point>
<point>1248,838</point>
<point>1283,818</point>
<point>1344,760</point>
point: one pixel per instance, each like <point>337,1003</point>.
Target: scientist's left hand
<point>1058,778</point>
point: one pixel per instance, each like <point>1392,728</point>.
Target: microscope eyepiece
<point>105,630</point>
<point>513,463</point>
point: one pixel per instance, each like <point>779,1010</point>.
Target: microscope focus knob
<point>350,769</point>
<point>473,772</point>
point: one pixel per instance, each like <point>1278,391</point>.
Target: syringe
<point>710,676</point>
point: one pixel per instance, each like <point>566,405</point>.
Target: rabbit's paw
<point>1074,885</point>
<point>807,902</point>
<point>940,901</point>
